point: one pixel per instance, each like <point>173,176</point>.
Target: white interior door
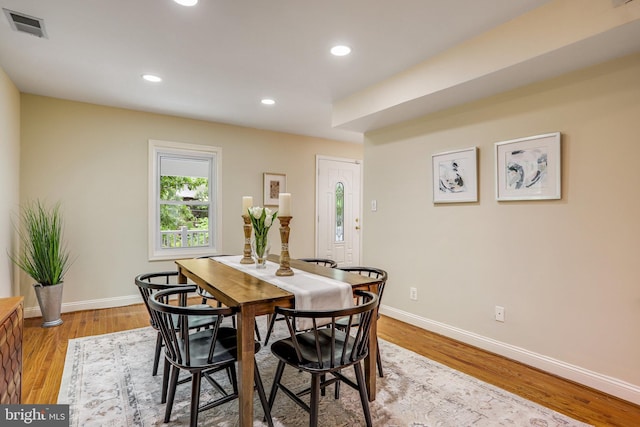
<point>338,210</point>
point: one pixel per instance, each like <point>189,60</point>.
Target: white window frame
<point>157,148</point>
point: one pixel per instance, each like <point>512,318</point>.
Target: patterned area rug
<point>107,381</point>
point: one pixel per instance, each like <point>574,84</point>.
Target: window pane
<point>183,179</point>
<point>184,226</point>
<point>184,188</point>
<point>339,212</point>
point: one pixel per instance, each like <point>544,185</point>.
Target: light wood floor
<point>45,350</point>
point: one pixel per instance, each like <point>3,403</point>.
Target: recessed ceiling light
<point>340,50</point>
<point>268,101</point>
<point>152,78</point>
<point>187,2</point>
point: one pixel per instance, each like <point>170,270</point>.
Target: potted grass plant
<point>43,256</point>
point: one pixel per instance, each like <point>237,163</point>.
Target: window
<point>184,210</point>
<point>339,212</point>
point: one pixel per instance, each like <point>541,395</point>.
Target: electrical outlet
<point>413,294</point>
<point>499,313</point>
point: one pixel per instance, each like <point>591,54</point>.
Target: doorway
<point>338,204</point>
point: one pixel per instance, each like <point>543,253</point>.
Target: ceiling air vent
<point>26,24</point>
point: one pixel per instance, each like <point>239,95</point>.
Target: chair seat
<point>285,350</point>
<point>200,344</point>
<point>196,323</point>
<point>344,322</point>
<point>226,348</point>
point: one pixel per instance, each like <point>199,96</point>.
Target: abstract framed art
<point>455,176</point>
<point>528,168</point>
<point>274,184</point>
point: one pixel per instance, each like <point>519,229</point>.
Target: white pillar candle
<point>247,202</point>
<point>285,204</point>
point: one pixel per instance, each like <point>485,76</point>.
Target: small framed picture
<point>528,168</point>
<point>455,176</point>
<point>274,184</point>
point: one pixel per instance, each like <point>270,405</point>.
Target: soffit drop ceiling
<point>219,58</point>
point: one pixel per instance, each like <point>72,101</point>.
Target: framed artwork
<point>455,176</point>
<point>528,168</point>
<point>274,184</point>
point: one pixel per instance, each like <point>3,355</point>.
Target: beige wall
<point>94,160</point>
<point>566,271</point>
<point>9,173</point>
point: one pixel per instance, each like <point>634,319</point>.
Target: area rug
<point>107,381</point>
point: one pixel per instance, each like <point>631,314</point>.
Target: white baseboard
<point>93,304</point>
<point>604,383</point>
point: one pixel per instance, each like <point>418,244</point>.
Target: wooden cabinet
<point>11,326</point>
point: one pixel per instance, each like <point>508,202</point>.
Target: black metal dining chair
<point>324,351</point>
<point>201,353</point>
<point>321,261</point>
<point>318,261</point>
<point>148,284</point>
<point>376,273</point>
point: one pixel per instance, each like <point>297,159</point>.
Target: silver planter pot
<point>50,301</point>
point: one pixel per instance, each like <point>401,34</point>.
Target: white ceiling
<point>219,58</point>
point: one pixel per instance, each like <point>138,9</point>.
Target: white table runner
<point>312,292</point>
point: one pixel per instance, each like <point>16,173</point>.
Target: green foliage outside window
<point>193,216</point>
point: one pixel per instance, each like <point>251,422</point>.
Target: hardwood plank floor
<point>44,349</point>
<point>44,353</point>
<point>579,402</point>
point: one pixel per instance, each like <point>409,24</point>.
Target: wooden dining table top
<point>235,288</point>
<point>230,286</point>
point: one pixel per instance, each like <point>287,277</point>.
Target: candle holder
<point>247,241</point>
<point>284,269</point>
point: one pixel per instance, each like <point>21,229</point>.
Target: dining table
<point>254,296</point>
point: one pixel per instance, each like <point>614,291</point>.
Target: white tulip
<point>256,212</point>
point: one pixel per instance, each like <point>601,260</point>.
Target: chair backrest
<point>373,272</point>
<point>328,345</point>
<point>149,283</point>
<point>176,322</point>
<point>321,261</point>
<point>211,256</point>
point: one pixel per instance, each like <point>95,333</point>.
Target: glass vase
<point>260,250</point>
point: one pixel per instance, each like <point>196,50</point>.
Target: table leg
<point>182,279</point>
<point>246,322</point>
